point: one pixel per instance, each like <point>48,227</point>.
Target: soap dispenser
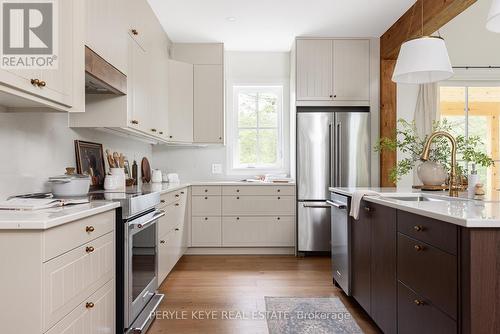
<point>473,179</point>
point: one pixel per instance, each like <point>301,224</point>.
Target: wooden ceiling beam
<point>436,14</point>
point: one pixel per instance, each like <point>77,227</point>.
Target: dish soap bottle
<point>134,172</point>
<point>472,181</point>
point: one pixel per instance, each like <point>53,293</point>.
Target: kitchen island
<point>426,263</point>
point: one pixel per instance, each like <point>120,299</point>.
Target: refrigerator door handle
<point>330,155</point>
<point>338,167</point>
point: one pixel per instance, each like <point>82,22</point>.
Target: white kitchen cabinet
<point>333,71</point>
<point>206,232</point>
<point>257,205</point>
<point>314,69</point>
<point>52,284</point>
<point>351,70</point>
<point>209,205</point>
<point>268,231</point>
<point>98,319</point>
<point>180,102</point>
<point>106,31</point>
<point>61,88</point>
<point>138,88</point>
<point>209,104</point>
<point>166,255</point>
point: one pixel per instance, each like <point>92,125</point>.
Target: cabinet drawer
<point>206,205</point>
<point>258,190</point>
<point>172,197</point>
<point>436,233</point>
<point>206,190</point>
<point>258,205</point>
<point>166,256</point>
<point>70,278</point>
<point>417,315</point>
<point>206,232</point>
<point>61,239</point>
<point>430,272</point>
<point>175,214</point>
<point>100,318</point>
<point>258,231</point>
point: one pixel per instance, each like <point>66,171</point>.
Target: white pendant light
<point>422,60</point>
<point>493,22</point>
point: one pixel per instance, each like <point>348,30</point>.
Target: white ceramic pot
<point>119,178</point>
<point>70,185</point>
<point>432,173</point>
<point>156,176</point>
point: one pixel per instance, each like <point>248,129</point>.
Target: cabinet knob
<point>237,190</point>
<point>182,192</point>
<point>89,249</point>
<point>206,197</point>
<point>89,229</point>
<point>220,138</point>
<point>206,190</point>
<point>237,218</point>
<point>279,197</point>
<point>35,82</point>
<point>134,122</point>
<point>161,132</point>
<point>418,248</point>
<point>418,228</point>
<point>368,209</point>
<point>162,241</point>
<point>177,229</point>
<point>153,130</point>
<point>89,305</point>
<point>331,96</point>
<point>176,204</point>
<point>206,218</point>
<point>419,302</point>
<point>334,96</point>
<point>279,218</point>
<point>238,197</point>
<point>177,195</point>
<point>134,32</point>
<point>170,137</point>
<point>162,201</point>
<point>279,190</point>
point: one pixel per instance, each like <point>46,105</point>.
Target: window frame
<point>233,131</point>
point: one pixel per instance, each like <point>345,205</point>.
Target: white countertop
<point>459,211</point>
<point>48,218</point>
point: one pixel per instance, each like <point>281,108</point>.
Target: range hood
<point>101,77</point>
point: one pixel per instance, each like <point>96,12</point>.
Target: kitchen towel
<point>357,196</point>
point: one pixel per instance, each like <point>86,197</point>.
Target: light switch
<point>216,169</point>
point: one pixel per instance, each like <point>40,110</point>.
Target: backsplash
<point>37,145</point>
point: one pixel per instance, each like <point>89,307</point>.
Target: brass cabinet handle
<point>153,130</point>
<point>162,201</point>
<point>162,241</point>
<point>418,248</point>
<point>419,302</point>
<point>89,249</point>
<point>42,84</point>
<point>35,82</point>
<point>418,228</point>
<point>134,32</point>
<point>89,229</point>
<point>134,122</point>
<point>89,305</point>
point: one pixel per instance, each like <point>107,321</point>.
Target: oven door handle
<point>337,205</point>
<point>158,214</point>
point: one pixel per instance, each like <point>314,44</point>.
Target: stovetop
<point>132,201</point>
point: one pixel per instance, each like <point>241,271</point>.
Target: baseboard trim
<point>240,251</point>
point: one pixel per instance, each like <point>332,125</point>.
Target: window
<point>256,128</point>
<point>474,110</point>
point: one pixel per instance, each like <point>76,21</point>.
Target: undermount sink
<point>416,198</point>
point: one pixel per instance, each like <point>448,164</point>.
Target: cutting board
<point>145,170</point>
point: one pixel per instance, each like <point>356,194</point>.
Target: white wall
<point>35,146</point>
<point>242,68</point>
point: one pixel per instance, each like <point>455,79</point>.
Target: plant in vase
<point>436,170</point>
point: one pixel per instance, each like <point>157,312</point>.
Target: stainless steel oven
<point>141,270</point>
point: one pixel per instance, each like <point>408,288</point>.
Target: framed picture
<point>128,172</point>
<point>90,161</point>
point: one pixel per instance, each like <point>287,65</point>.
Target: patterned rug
<point>309,316</point>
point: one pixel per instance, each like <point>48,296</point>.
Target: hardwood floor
<point>214,286</point>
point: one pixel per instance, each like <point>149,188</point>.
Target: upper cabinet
<point>61,88</point>
<point>333,72</point>
<point>207,99</point>
<point>180,102</point>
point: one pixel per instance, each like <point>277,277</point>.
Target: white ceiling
<point>271,25</point>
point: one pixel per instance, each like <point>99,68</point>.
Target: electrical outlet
<point>216,169</point>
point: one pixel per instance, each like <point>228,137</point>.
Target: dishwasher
<point>340,241</point>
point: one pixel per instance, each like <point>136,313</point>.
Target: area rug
<point>309,316</point>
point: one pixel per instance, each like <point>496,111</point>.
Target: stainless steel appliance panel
<point>314,155</point>
<point>352,149</point>
<point>339,241</point>
<point>313,226</point>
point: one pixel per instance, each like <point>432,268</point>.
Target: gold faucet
<point>453,173</point>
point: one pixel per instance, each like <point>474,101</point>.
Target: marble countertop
<point>459,211</point>
<point>48,218</point>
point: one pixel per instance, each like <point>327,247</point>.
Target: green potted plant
<point>411,144</point>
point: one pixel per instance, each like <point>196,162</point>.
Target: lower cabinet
<point>258,231</point>
<point>374,282</point>
<point>206,232</point>
<point>172,232</point>
<point>96,315</point>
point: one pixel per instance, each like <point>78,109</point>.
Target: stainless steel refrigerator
<point>333,150</point>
